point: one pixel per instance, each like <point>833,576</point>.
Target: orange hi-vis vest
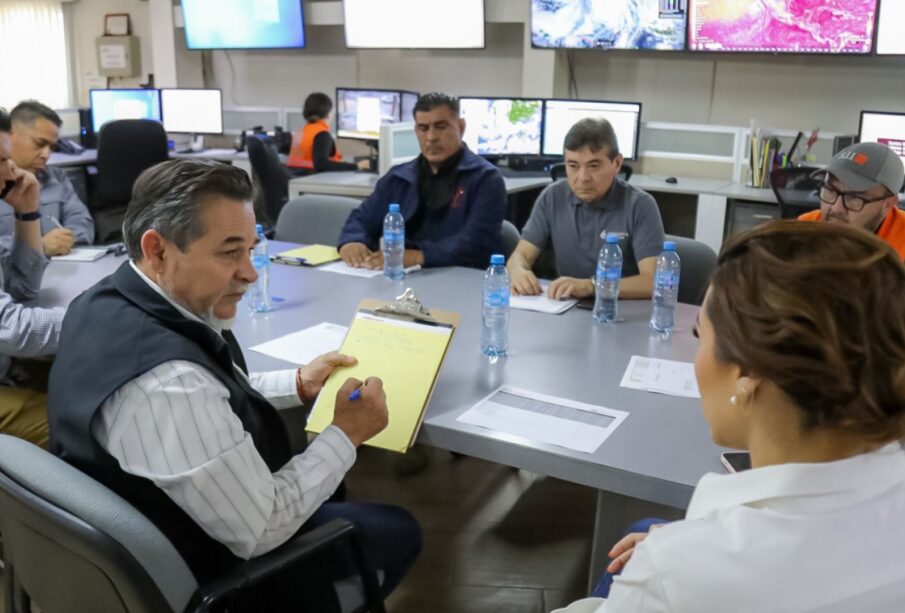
<point>892,230</point>
<point>301,153</point>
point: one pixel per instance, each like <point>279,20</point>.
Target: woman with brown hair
<point>801,362</point>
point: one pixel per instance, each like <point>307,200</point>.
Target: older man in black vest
<point>150,395</point>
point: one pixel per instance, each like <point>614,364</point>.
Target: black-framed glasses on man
<point>852,201</point>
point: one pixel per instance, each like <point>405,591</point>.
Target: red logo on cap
<point>861,159</point>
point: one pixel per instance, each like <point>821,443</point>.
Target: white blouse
<point>826,537</point>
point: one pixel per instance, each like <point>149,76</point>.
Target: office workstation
<point>544,143</point>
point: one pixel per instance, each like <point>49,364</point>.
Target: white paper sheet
<point>344,269</point>
<point>303,346</point>
<point>81,254</point>
<point>541,304</point>
<point>661,376</point>
<point>545,419</point>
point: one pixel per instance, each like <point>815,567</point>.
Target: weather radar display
<point>782,26</point>
<point>609,24</point>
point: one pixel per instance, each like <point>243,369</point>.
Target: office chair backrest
<point>511,238</point>
<point>698,264</point>
<point>74,546</point>
<point>126,148</point>
<point>795,190</point>
<point>271,176</point>
<point>314,219</point>
<point>558,171</point>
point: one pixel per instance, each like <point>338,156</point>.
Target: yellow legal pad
<point>406,355</point>
<point>314,255</point>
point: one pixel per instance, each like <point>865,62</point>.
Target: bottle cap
<point>394,208</point>
<point>612,238</point>
<point>669,246</point>
<point>259,228</point>
<point>497,260</point>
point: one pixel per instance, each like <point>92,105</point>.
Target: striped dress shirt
<point>174,426</point>
<point>25,332</point>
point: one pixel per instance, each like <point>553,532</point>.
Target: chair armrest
<point>256,570</point>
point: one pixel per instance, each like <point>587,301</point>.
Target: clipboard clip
<point>407,306</point>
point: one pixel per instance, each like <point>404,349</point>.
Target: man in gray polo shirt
<point>573,214</point>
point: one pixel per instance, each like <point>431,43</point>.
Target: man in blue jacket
<point>452,200</point>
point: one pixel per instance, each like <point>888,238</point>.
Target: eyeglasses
<point>851,201</point>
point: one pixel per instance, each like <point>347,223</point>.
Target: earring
<point>733,400</point>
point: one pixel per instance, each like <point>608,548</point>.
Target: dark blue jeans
<point>391,538</point>
<point>603,588</point>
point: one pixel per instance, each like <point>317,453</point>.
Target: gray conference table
<point>650,464</point>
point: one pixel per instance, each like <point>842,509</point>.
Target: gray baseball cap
<point>866,165</point>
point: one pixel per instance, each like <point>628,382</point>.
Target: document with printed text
<point>545,419</point>
<point>661,376</point>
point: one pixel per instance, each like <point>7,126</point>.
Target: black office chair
<point>698,264</point>
<point>796,192</point>
<point>270,174</point>
<point>125,149</point>
<point>510,236</point>
<point>72,545</point>
<point>558,171</point>
<point>314,219</point>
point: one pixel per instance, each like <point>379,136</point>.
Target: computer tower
<point>87,137</point>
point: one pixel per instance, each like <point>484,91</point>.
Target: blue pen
<point>355,395</point>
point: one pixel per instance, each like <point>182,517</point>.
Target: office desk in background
<point>89,157</point>
<point>654,458</point>
<point>362,184</point>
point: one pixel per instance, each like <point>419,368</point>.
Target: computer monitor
<point>414,24</point>
<point>243,24</point>
<point>781,27</point>
<point>111,104</point>
<point>192,111</point>
<point>71,118</point>
<point>361,112</point>
<point>502,126</point>
<point>890,28</point>
<point>561,115</point>
<point>657,25</point>
<point>885,128</point>
<point>409,99</point>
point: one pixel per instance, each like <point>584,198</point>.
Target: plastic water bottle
<point>495,309</point>
<point>609,275</point>
<point>666,289</point>
<point>259,293</point>
<point>393,244</point>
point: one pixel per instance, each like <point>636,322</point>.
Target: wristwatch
<point>33,216</point>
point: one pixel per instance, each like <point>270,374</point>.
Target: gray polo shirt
<point>574,228</point>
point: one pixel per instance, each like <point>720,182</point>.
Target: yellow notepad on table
<point>405,354</point>
<point>312,255</point>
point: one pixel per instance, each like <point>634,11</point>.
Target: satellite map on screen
<point>608,24</point>
<point>502,126</point>
<point>782,26</point>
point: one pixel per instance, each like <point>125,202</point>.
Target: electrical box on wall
<point>118,56</point>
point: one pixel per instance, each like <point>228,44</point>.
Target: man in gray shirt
<point>24,331</point>
<point>574,214</point>
<point>65,219</point>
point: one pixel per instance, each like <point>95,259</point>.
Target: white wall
<point>88,24</point>
<point>786,92</point>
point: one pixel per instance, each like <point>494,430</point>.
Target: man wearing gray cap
<point>860,188</point>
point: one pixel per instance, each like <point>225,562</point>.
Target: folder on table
<point>405,351</point>
<point>312,255</point>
